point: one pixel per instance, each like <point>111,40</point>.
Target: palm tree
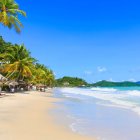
<point>38,76</point>
<point>18,63</point>
<point>50,78</point>
<point>9,11</point>
<point>4,45</point>
<point>43,75</point>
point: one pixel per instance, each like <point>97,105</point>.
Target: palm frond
<point>14,11</point>
<point>9,12</point>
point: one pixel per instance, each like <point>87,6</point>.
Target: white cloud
<point>88,72</point>
<point>101,69</point>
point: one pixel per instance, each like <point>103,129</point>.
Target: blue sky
<point>92,39</point>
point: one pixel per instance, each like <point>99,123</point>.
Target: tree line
<point>16,62</point>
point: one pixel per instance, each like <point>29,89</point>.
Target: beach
<point>70,70</point>
<point>26,116</point>
<point>102,113</point>
<point>70,113</point>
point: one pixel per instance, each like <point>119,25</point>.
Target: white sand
<point>26,117</point>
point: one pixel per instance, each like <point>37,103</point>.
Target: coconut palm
<point>9,12</point>
<point>43,75</point>
<point>18,63</point>
<point>50,78</point>
<point>38,76</point>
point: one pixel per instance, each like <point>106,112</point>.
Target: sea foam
<point>128,99</point>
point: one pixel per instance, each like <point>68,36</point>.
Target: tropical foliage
<point>9,13</point>
<point>18,64</point>
<point>114,84</point>
<point>71,82</point>
<point>43,75</point>
<point>4,45</point>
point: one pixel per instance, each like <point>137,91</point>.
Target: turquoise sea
<point>105,113</point>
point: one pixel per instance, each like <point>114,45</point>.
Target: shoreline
<point>95,116</point>
<point>26,116</point>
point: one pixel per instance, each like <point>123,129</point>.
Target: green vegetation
<point>114,84</point>
<point>70,82</point>
<point>17,64</point>
<point>20,63</point>
<point>3,45</point>
<point>9,12</point>
<point>43,75</point>
<point>78,82</point>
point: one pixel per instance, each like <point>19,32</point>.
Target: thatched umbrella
<point>2,78</point>
<point>11,83</point>
<point>23,83</point>
<point>40,87</point>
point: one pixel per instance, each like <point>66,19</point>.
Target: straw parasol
<point>40,85</point>
<point>22,82</point>
<point>11,83</point>
<point>2,78</point>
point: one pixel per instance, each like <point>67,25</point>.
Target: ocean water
<point>105,113</point>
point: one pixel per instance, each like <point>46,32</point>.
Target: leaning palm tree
<point>17,63</point>
<point>50,78</point>
<point>38,76</point>
<point>43,75</point>
<point>9,11</point>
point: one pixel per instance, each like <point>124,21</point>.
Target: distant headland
<point>67,81</point>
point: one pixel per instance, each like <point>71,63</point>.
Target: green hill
<point>79,82</point>
<point>70,82</point>
<point>114,84</point>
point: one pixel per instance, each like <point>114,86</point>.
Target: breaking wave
<point>128,99</point>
